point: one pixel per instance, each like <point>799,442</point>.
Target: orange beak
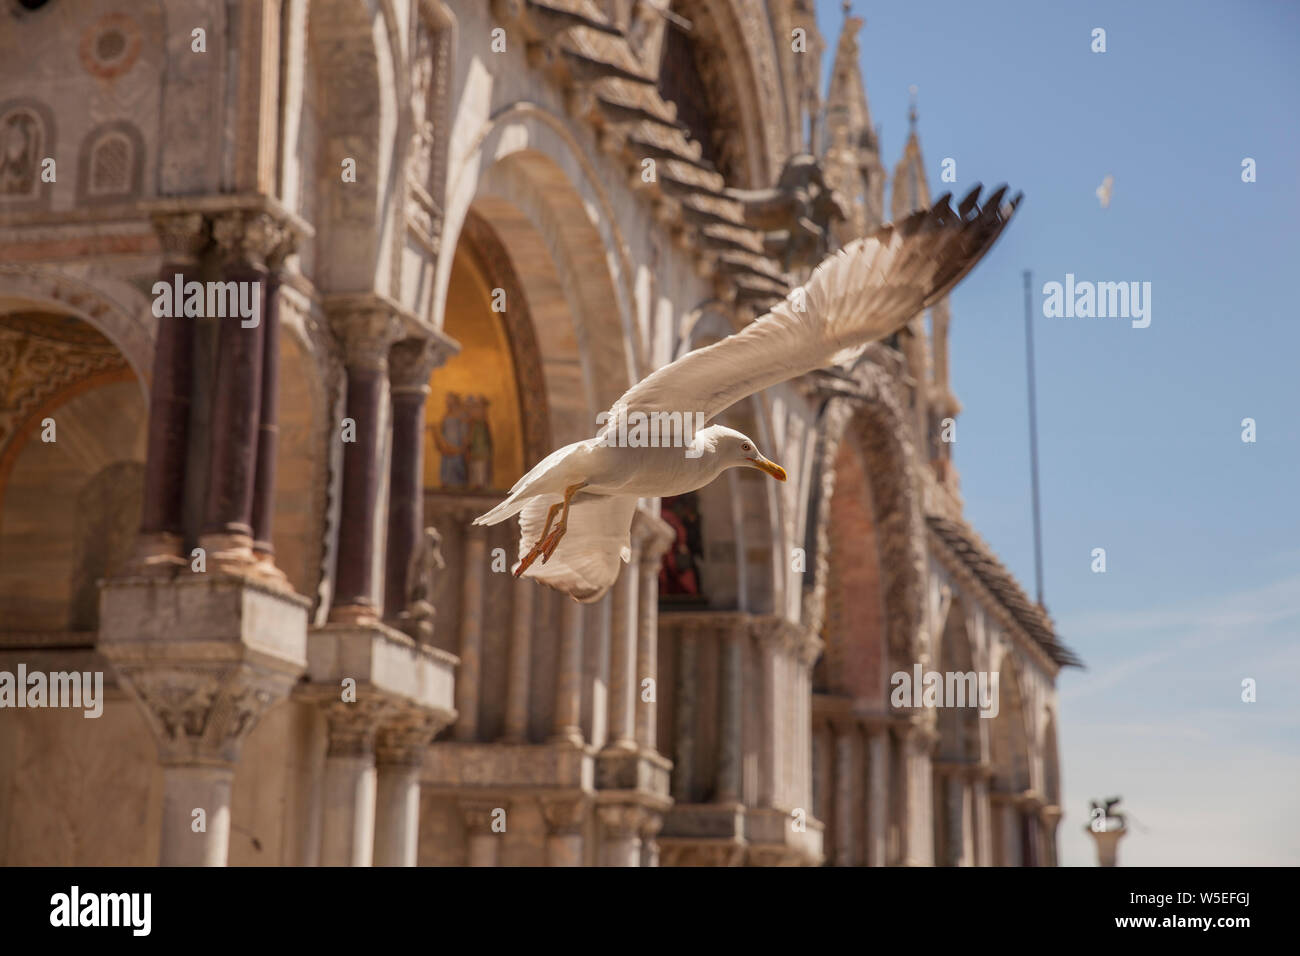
<point>771,467</point>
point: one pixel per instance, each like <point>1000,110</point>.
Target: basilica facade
<point>292,290</point>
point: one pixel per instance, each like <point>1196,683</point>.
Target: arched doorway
<point>1009,755</point>
<point>955,833</point>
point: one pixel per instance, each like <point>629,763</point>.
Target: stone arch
<point>733,544</point>
<point>1008,738</point>
<point>875,423</point>
<point>959,731</point>
<point>743,83</point>
<point>113,307</point>
<point>1051,763</point>
<point>70,497</point>
<point>529,180</point>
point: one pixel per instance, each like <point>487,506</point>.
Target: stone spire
<point>849,147</point>
<point>911,191</point>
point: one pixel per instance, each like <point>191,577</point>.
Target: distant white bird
<point>869,289</point>
<point>1103,191</point>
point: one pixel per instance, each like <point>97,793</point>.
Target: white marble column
<point>567,726</point>
<point>624,617</point>
<point>471,633</point>
<point>519,675</point>
<point>348,820</point>
<point>647,650</point>
<point>190,788</point>
<point>730,726</point>
<point>399,753</point>
<point>483,843</point>
<point>846,792</point>
<point>982,812</point>
<point>685,731</point>
<point>768,767</point>
<point>877,792</point>
<point>620,839</point>
<point>564,820</point>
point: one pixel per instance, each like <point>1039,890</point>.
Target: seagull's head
<point>736,450</point>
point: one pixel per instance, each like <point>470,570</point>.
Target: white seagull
<point>868,290</point>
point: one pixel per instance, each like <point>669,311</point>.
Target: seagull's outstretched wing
<point>586,562</point>
<point>869,289</point>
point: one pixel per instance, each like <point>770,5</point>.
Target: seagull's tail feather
<point>586,563</point>
<point>504,511</point>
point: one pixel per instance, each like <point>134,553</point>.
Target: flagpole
<point>1033,436</point>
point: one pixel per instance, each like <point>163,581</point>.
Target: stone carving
<point>202,712</point>
<point>796,213</point>
<point>426,562</point>
<point>22,139</point>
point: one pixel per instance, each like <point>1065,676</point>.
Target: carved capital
<point>564,814</point>
<point>183,236</point>
<point>353,726</point>
<point>402,741</point>
<point>251,238</point>
<point>479,815</point>
<point>201,713</point>
<point>621,819</point>
<point>366,334</point>
<point>412,361</point>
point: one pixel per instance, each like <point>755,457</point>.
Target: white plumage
<point>868,290</point>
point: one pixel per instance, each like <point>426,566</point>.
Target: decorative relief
<point>110,46</point>
<point>24,142</point>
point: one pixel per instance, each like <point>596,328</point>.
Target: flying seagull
<point>867,290</point>
<point>1104,191</point>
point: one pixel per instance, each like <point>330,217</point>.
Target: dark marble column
<point>183,237</point>
<point>367,330</point>
<point>244,240</point>
<point>410,363</point>
<point>268,432</point>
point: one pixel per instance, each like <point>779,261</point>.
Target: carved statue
<point>796,213</point>
<point>425,563</point>
<point>1107,807</point>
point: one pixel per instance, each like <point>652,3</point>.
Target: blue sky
<point>1139,429</point>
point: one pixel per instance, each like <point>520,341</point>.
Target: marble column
<point>982,814</point>
<point>471,632</point>
<point>183,238</point>
<point>647,645</point>
<point>651,824</point>
<point>399,754</point>
<point>767,647</point>
<point>410,364</point>
<point>567,727</point>
<point>348,820</point>
<point>186,789</point>
<point>846,792</point>
<point>484,843</point>
<point>685,715</point>
<point>731,714</point>
<point>245,239</point>
<point>268,432</point>
<point>564,820</point>
<point>519,675</point>
<point>624,615</point>
<point>877,793</point>
<point>367,329</point>
<point>620,842</point>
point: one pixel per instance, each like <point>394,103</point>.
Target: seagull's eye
<point>744,446</point>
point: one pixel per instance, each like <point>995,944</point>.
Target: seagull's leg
<point>553,539</point>
<point>537,548</point>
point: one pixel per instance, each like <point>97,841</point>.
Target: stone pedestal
<point>1107,844</point>
<point>385,697</point>
<point>204,656</point>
